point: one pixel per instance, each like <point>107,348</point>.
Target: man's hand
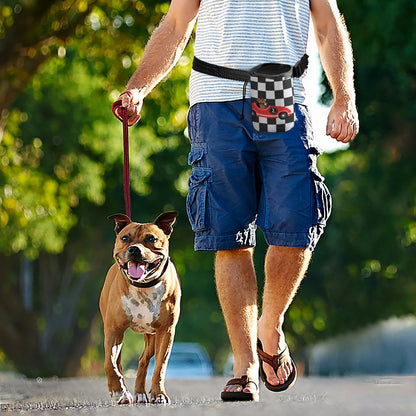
<point>162,51</point>
<point>335,51</point>
<point>343,123</point>
<point>133,101</point>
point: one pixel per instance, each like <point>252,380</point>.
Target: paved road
<point>364,396</point>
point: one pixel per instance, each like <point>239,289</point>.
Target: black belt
<point>238,74</point>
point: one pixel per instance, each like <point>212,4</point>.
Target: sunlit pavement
<point>363,395</point>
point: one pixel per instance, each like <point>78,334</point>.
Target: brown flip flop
<point>234,396</point>
<point>275,362</point>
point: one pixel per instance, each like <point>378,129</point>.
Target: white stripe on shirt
<point>243,34</point>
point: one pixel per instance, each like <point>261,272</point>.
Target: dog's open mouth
<point>138,271</point>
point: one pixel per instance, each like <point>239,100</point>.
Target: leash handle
<point>126,170</point>
<point>121,113</point>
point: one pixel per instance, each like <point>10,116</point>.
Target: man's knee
<point>234,253</point>
<point>296,251</point>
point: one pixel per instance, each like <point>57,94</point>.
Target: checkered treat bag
<point>272,100</point>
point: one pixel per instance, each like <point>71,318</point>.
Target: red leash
<point>121,113</point>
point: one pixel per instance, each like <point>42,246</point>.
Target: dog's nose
<point>134,252</point>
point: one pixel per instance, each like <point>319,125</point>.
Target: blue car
<point>187,360</point>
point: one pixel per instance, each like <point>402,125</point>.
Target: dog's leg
<point>163,341</point>
<point>112,365</point>
<point>140,395</point>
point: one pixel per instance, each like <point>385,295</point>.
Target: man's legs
<point>230,161</point>
<point>237,292</point>
<point>285,268</point>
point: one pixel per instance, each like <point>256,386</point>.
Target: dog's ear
<point>121,221</point>
<point>165,221</point>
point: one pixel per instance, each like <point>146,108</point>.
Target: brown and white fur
<point>141,291</point>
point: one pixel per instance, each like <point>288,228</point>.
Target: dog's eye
<point>125,239</point>
<point>151,239</point>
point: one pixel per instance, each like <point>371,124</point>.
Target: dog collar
<point>151,283</point>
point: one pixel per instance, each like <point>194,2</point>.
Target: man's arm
<point>335,51</point>
<point>162,51</point>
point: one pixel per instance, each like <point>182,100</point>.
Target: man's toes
<point>280,377</point>
<point>271,375</point>
<point>233,388</point>
<point>274,380</point>
<point>283,372</point>
<point>250,388</point>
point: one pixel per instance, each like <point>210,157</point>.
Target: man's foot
<point>243,388</point>
<point>281,369</point>
<point>273,343</point>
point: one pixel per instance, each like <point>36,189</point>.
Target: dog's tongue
<point>136,270</point>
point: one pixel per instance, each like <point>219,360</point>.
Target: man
<point>243,178</point>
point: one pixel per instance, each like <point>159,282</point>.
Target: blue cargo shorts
<point>242,179</point>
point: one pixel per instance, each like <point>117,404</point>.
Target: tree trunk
<point>26,283</point>
<point>19,337</point>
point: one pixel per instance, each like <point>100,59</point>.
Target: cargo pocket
<point>196,201</point>
<point>323,199</point>
<point>196,154</point>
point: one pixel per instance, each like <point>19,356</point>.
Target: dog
<point>141,291</point>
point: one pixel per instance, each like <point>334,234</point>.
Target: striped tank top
<point>243,34</point>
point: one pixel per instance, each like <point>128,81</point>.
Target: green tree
<point>363,270</point>
<point>31,32</point>
<point>61,155</point>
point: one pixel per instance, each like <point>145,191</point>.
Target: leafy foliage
<point>363,268</point>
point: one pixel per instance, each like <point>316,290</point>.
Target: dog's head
<point>142,250</point>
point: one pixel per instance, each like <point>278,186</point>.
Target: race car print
<point>261,109</point>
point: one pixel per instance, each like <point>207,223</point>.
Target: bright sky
<point>318,111</point>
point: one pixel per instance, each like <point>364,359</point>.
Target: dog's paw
<point>161,398</point>
<point>141,398</point>
<point>122,397</point>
